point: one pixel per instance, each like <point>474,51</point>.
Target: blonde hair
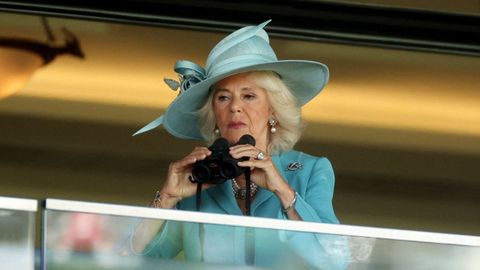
<point>283,105</point>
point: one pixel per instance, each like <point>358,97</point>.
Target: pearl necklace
<point>241,193</point>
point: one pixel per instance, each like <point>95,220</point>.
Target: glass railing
<point>82,235</point>
<point>17,233</point>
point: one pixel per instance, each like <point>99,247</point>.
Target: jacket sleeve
<point>314,185</point>
<point>166,243</point>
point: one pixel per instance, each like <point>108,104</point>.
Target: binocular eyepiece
<point>220,165</point>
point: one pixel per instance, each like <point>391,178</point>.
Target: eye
<point>222,97</point>
<point>249,96</point>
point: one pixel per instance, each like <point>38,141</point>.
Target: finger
<point>183,163</point>
<point>252,163</point>
<point>199,150</point>
<point>245,152</point>
<point>241,146</point>
<point>252,154</point>
<point>190,159</point>
<point>199,153</point>
<point>248,165</point>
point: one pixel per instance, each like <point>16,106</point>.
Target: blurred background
<point>399,119</point>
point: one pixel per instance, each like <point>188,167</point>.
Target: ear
<point>271,111</point>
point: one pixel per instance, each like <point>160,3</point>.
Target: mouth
<point>236,125</point>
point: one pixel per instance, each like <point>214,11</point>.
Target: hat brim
<point>304,78</point>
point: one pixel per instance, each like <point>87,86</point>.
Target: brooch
<point>294,166</point>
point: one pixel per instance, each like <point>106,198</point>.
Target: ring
<point>260,155</point>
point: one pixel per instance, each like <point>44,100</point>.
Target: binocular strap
<point>247,191</point>
<point>249,241</point>
<point>198,200</point>
<point>249,236</point>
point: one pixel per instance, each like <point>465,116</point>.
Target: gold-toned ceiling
<point>369,87</point>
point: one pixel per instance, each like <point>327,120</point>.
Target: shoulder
<point>293,158</point>
<point>302,170</point>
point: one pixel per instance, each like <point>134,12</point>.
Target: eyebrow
<point>228,90</point>
<point>221,90</point>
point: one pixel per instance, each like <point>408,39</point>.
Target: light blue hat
<point>246,49</point>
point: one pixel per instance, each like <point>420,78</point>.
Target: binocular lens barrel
<point>201,173</point>
<point>230,169</point>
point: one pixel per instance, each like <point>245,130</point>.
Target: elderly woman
<point>245,90</point>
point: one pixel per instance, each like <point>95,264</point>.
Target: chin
<point>233,137</point>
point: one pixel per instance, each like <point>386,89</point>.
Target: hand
<point>264,173</point>
<point>178,184</point>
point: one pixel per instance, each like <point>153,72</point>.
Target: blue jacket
<point>314,183</point>
<point>312,179</point>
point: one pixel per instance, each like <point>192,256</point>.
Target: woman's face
<point>241,107</point>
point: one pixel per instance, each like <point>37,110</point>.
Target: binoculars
<point>220,165</point>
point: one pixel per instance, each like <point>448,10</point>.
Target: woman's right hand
<point>178,184</point>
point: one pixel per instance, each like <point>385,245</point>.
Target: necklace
<point>241,193</point>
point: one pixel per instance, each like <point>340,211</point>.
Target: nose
<point>236,105</point>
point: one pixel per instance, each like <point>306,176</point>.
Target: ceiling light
<point>21,57</point>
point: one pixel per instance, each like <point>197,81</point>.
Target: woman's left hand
<point>264,173</point>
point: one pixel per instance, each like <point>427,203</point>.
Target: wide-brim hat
<point>247,49</point>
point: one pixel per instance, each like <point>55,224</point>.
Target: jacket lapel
<point>223,195</point>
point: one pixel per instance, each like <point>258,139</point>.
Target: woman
<point>244,90</point>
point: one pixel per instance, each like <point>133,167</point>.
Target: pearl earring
<point>217,131</point>
<point>272,122</point>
